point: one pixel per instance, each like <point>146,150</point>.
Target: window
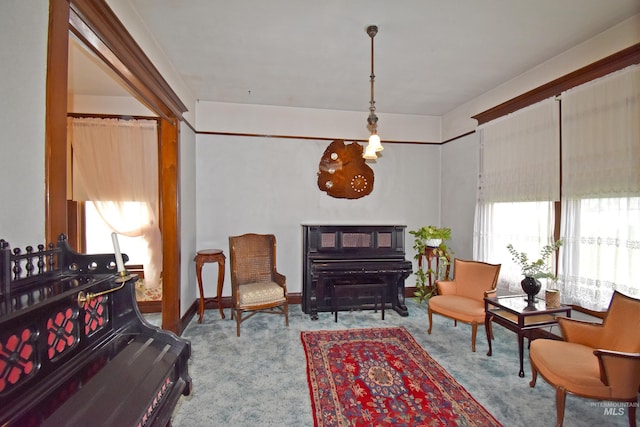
<point>602,250</point>
<point>526,225</point>
<point>98,234</point>
<point>599,212</point>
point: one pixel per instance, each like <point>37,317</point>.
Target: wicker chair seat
<point>260,293</point>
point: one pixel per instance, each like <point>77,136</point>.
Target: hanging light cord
<point>372,121</point>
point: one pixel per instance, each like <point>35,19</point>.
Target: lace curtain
<point>115,162</point>
<point>601,189</point>
<point>518,183</point>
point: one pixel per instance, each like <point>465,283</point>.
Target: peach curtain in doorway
<point>115,162</point>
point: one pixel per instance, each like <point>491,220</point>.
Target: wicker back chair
<point>256,286</point>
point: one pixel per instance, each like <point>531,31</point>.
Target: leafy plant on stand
<point>429,238</point>
<point>538,269</point>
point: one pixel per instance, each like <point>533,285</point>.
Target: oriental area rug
<point>383,377</point>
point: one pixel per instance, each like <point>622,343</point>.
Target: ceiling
<point>430,55</point>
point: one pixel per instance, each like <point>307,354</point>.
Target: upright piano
<point>74,348</point>
<point>343,254</point>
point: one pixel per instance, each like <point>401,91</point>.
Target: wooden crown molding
<point>615,62</point>
<point>91,21</point>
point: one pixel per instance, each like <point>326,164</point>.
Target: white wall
<point>458,198</point>
<point>23,54</point>
<point>268,185</point>
<point>311,122</point>
<point>119,105</point>
<point>188,291</point>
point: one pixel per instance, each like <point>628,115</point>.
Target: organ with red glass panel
<point>74,348</point>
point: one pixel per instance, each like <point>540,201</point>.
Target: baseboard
<point>150,306</point>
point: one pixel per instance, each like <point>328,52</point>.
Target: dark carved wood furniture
<point>514,313</point>
<point>335,255</point>
<point>202,257</point>
<point>74,348</point>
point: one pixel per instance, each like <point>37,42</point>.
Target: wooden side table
<point>202,257</point>
<point>517,315</point>
<point>430,258</point>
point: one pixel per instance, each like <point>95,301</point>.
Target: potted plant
<point>535,270</point>
<point>430,241</point>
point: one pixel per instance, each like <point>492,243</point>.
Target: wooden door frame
<point>95,24</point>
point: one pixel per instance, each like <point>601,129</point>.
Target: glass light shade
<point>370,152</point>
<point>374,140</point>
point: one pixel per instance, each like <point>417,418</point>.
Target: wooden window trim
<point>611,63</point>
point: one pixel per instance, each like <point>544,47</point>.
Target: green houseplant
<point>533,270</point>
<point>429,238</point>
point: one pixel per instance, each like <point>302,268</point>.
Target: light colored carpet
<point>260,378</point>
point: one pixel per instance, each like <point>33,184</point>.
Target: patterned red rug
<point>382,377</point>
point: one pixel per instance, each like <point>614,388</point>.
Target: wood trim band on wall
<point>611,63</point>
<point>312,138</point>
<point>90,21</point>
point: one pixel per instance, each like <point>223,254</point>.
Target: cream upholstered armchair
<point>463,297</point>
<point>596,361</point>
<point>256,286</point>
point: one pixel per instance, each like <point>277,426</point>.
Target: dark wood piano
<point>74,348</point>
<point>336,255</point>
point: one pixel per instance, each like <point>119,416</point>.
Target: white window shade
<point>601,137</point>
<point>520,156</point>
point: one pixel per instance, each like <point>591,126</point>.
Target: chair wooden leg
<point>631,410</point>
<point>430,324</point>
<point>474,332</point>
<point>238,321</point>
<point>561,397</point>
<point>534,376</point>
<point>286,314</point>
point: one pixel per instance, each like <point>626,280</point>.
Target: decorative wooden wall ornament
<point>343,172</point>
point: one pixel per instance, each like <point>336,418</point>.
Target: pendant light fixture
<point>374,145</point>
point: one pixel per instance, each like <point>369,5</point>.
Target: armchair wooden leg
<point>534,376</point>
<point>474,332</point>
<point>286,314</point>
<point>238,321</point>
<point>561,397</point>
<point>430,313</point>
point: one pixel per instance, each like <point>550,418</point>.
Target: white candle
<point>116,248</point>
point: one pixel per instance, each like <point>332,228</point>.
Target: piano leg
<point>313,309</point>
<point>399,305</point>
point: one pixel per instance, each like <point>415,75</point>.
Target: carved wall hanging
<point>343,172</point>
